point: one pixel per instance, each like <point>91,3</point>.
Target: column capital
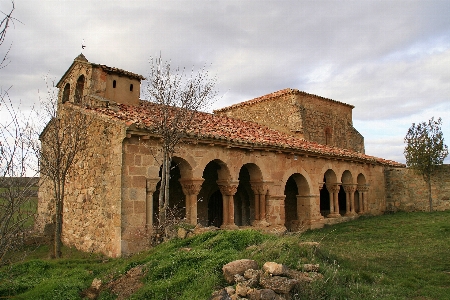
<point>259,187</point>
<point>152,183</point>
<point>333,187</point>
<point>227,187</point>
<point>349,187</point>
<point>362,187</point>
<point>321,184</point>
<point>191,186</point>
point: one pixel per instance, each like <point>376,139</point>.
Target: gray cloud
<point>388,58</point>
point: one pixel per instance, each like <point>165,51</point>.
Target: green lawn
<point>396,256</point>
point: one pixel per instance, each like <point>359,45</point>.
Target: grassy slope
<point>400,256</point>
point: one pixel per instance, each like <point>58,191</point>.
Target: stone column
<point>191,188</point>
<point>308,212</point>
<point>150,189</point>
<point>276,211</point>
<point>363,205</point>
<point>350,199</point>
<point>260,191</point>
<point>228,189</point>
<point>333,190</point>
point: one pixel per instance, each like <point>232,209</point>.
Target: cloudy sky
<point>390,59</point>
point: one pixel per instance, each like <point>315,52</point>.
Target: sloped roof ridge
<point>223,128</point>
<point>274,95</point>
<point>119,71</point>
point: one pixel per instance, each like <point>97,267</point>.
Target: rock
<point>182,233</point>
<point>310,267</point>
<point>299,276</point>
<point>230,290</point>
<point>220,295</point>
<point>96,284</point>
<point>237,267</point>
<point>252,274</point>
<point>274,268</point>
<point>264,294</point>
<point>239,278</point>
<point>278,284</point>
<point>241,289</point>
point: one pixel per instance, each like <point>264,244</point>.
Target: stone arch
<point>250,198</point>
<point>210,198</point>
<point>79,89</point>
<point>361,205</point>
<point>296,188</point>
<point>179,169</point>
<point>66,93</point>
<point>346,193</point>
<point>326,196</point>
<point>184,166</point>
<point>361,179</point>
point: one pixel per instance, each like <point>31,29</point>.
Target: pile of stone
<point>273,282</point>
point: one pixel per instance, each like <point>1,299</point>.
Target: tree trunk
<point>162,188</point>
<point>429,192</point>
<point>58,217</point>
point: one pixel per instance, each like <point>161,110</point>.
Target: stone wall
<point>407,191</point>
<point>92,204</point>
<point>307,116</point>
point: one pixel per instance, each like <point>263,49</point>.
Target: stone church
<point>287,160</point>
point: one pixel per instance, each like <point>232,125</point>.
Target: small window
<point>114,84</point>
<point>131,87</point>
<point>79,89</point>
<point>66,93</point>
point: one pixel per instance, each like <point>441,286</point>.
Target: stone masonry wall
<point>305,116</point>
<point>407,191</point>
<point>92,209</point>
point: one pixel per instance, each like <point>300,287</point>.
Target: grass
<point>396,256</point>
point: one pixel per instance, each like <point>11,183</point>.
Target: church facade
<point>284,161</point>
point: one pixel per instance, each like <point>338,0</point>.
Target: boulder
<point>220,295</point>
<point>264,294</point>
<point>274,268</point>
<point>278,284</point>
<point>237,267</point>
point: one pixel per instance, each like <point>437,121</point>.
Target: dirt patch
<point>123,287</point>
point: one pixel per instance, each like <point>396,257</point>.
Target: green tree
<point>425,150</point>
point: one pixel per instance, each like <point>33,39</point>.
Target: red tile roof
<point>276,95</point>
<point>235,131</point>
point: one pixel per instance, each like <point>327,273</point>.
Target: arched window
<point>79,89</point>
<point>66,93</point>
<point>131,87</point>
<point>114,84</point>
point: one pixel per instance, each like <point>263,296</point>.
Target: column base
<point>229,227</point>
<point>260,223</point>
<point>350,214</point>
<point>334,215</point>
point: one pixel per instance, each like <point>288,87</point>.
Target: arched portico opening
<point>296,189</point>
<point>361,205</point>
<point>347,193</point>
<point>176,206</point>
<point>215,196</point>
<point>329,203</point>
<point>242,199</point>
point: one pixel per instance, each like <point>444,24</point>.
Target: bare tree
<point>61,144</point>
<point>178,97</point>
<point>5,23</point>
<point>16,206</point>
<point>425,150</point>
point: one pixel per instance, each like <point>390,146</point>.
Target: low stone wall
<point>407,191</point>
